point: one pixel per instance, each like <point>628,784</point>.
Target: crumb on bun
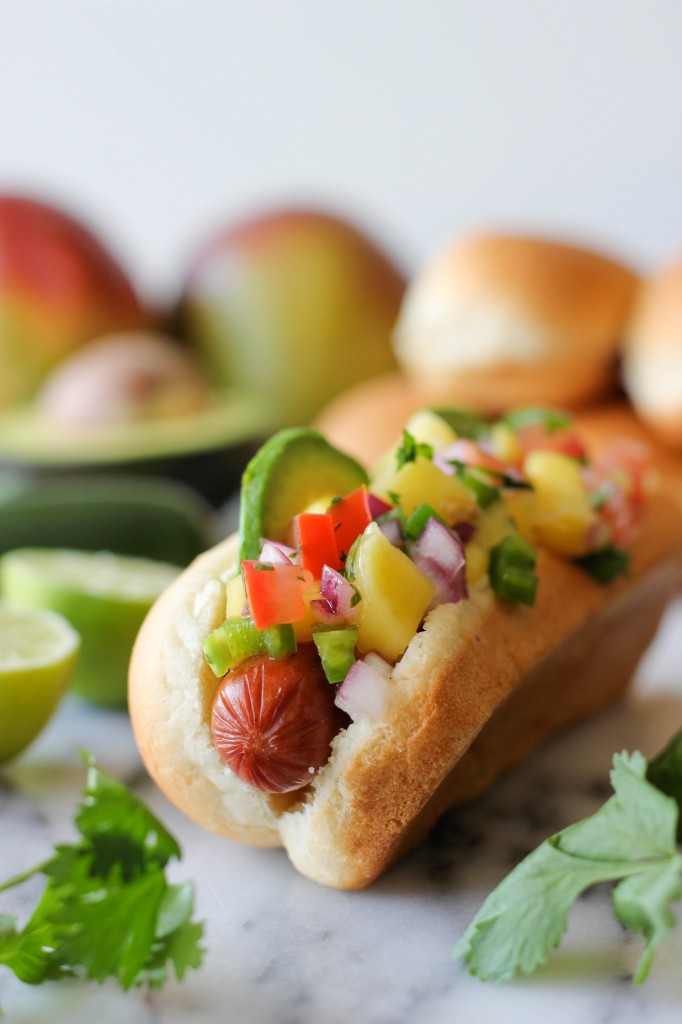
<point>496,321</point>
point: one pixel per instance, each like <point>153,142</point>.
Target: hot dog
<point>505,651</point>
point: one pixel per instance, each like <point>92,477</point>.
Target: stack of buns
<point>497,321</point>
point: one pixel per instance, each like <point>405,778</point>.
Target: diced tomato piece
<point>316,542</point>
<point>622,517</point>
<point>350,516</point>
<point>629,461</point>
<point>618,476</point>
<point>275,593</point>
<point>536,437</point>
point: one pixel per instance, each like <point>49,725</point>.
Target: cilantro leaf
<point>106,909</point>
<point>25,952</point>
<point>665,772</point>
<point>109,929</point>
<point>642,903</point>
<point>638,820</point>
<point>606,564</point>
<point>410,448</point>
<point>176,940</point>
<point>120,829</point>
<point>631,839</point>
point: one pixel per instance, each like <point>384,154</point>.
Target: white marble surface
<point>283,950</point>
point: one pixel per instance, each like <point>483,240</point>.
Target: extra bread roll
<point>366,419</point>
<point>652,361</point>
<point>481,685</point>
<point>497,321</point>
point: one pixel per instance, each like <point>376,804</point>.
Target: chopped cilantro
<point>606,564</point>
<point>410,448</point>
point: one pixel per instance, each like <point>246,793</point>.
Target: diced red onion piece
<point>464,531</point>
<point>337,592</point>
<point>458,451</point>
<point>364,692</point>
<point>392,532</point>
<point>441,462</point>
<point>276,553</point>
<point>379,664</point>
<point>322,613</point>
<point>377,506</point>
<point>439,554</point>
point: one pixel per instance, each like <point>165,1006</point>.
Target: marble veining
<point>283,950</point>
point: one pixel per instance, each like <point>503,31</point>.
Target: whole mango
<point>294,305</point>
<point>59,288</point>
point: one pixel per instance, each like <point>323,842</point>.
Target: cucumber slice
<point>294,468</point>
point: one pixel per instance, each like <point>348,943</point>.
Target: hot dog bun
<point>497,321</point>
<point>480,686</point>
<point>652,360</point>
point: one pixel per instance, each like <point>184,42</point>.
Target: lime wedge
<point>38,651</point>
<point>104,596</point>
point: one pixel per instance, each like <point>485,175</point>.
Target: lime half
<point>38,651</point>
<point>104,596</point>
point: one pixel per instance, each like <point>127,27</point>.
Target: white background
<point>161,121</point>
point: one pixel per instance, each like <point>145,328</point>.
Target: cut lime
<point>38,652</point>
<point>105,597</point>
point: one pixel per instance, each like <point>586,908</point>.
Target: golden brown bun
<point>652,361</point>
<point>476,690</point>
<point>497,321</point>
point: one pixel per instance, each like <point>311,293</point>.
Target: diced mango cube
<point>557,513</point>
<point>235,597</point>
<point>303,627</point>
<point>477,559</point>
<point>395,595</point>
<point>428,427</point>
<point>505,444</point>
<point>421,481</point>
<point>494,525</point>
<point>321,504</point>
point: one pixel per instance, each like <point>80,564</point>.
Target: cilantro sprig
<point>107,909</point>
<point>631,841</point>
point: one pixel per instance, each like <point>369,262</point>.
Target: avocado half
<point>206,450</point>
